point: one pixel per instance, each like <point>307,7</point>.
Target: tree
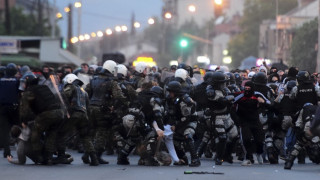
<point>246,43</point>
<point>303,51</point>
<point>26,24</point>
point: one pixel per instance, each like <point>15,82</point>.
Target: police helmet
<point>2,71</point>
<point>140,67</point>
<point>98,70</point>
<point>174,86</point>
<point>70,78</point>
<point>110,66</point>
<point>28,79</point>
<point>181,73</point>
<point>11,69</point>
<point>218,77</point>
<point>291,84</point>
<point>303,77</point>
<point>157,90</point>
<point>187,68</point>
<point>260,79</point>
<point>231,78</point>
<point>208,77</point>
<point>122,69</point>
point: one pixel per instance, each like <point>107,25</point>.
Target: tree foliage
<point>303,51</point>
<point>246,43</point>
<point>26,24</point>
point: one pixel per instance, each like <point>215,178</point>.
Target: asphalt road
<point>79,171</point>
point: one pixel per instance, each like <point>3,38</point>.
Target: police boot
<point>122,158</point>
<point>49,159</point>
<point>220,148</point>
<point>289,162</point>
<point>272,155</point>
<point>101,161</point>
<point>195,161</point>
<point>85,158</point>
<point>62,158</point>
<point>302,157</point>
<point>228,153</point>
<point>94,159</point>
<point>201,148</point>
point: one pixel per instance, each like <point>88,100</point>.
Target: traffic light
<point>184,43</point>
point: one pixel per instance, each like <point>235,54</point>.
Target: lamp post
<point>277,31</point>
<point>318,55</point>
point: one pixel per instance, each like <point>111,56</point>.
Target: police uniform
<point>103,93</point>
<point>49,116</point>
<point>9,100</point>
<point>78,102</point>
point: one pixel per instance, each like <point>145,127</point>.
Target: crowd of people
<point>159,115</point>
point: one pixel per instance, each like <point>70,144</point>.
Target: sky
<point>102,14</point>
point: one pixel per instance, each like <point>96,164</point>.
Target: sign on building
<point>9,46</point>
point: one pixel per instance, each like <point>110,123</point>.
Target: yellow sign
<point>148,60</point>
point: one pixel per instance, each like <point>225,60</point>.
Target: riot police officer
<point>38,102</point>
<point>219,110</point>
<point>9,100</point>
<point>305,91</point>
<point>181,109</point>
<point>103,92</point>
<point>78,102</point>
<point>139,75</point>
<point>181,76</point>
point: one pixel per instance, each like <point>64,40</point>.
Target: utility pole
<point>318,56</point>
<point>70,45</point>
<point>78,46</point>
<point>7,16</point>
<point>54,12</point>
<point>40,21</point>
<point>277,31</point>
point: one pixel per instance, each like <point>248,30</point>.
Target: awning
<point>20,60</point>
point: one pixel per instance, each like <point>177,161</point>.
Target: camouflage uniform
<point>39,102</point>
<point>104,94</point>
<point>78,101</point>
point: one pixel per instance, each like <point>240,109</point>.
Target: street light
<point>74,40</point>
<point>117,28</point>
<point>59,15</point>
<point>108,32</point>
<point>137,25</point>
<point>124,28</point>
<point>93,34</point>
<point>99,33</point>
<point>151,21</point>
<point>168,15</point>
<point>86,36</point>
<point>81,38</point>
<point>77,4</point>
<point>192,8</point>
<point>67,9</point>
<point>218,2</point>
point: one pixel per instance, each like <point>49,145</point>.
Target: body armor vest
<point>78,101</point>
<point>9,91</point>
<point>100,86</point>
<point>45,100</point>
<point>306,94</point>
